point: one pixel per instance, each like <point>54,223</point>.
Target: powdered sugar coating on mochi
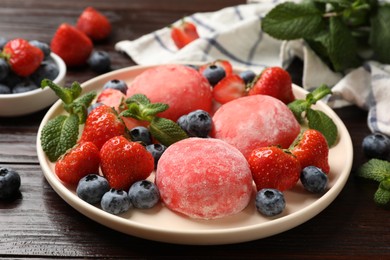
<point>204,178</point>
<point>183,88</point>
<point>255,121</point>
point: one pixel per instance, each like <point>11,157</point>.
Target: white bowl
<point>32,101</point>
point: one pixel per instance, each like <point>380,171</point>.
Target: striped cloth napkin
<point>234,33</point>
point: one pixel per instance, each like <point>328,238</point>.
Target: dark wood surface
<point>40,224</point>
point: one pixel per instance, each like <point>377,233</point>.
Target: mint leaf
<point>342,47</point>
<point>80,105</point>
<point>289,21</point>
<point>375,169</point>
<point>140,107</point>
<point>67,95</point>
<point>59,135</point>
<point>382,196</point>
<point>380,33</point>
<point>322,122</point>
<point>166,131</point>
<point>297,107</point>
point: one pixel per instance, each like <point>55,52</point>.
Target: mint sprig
<point>163,130</point>
<point>379,171</point>
<point>340,32</point>
<point>61,133</point>
<point>316,119</point>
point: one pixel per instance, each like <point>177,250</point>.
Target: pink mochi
<point>183,88</point>
<point>255,121</point>
<point>204,178</point>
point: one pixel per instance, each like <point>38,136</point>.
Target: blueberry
<point>248,76</point>
<point>270,202</point>
<point>24,86</point>
<point>156,150</point>
<point>93,106</point>
<point>198,123</point>
<point>116,84</point>
<point>376,145</point>
<point>12,80</point>
<point>92,187</point>
<point>115,201</point>
<point>47,70</point>
<point>99,61</point>
<point>214,74</point>
<point>141,134</point>
<point>144,194</point>
<point>5,89</point>
<point>314,179</point>
<point>4,69</point>
<point>43,46</point>
<point>9,183</point>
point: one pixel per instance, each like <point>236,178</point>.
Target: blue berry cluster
<point>95,190</point>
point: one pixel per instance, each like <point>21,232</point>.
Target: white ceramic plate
<point>161,224</point>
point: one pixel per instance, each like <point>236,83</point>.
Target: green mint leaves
<point>340,32</point>
<point>164,130</point>
<point>316,119</point>
<point>379,171</point>
<point>61,133</point>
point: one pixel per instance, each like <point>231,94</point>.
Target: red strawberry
<point>229,88</point>
<point>72,45</point>
<point>80,161</point>
<point>94,24</point>
<point>275,82</point>
<point>23,58</point>
<point>101,125</point>
<point>273,167</point>
<point>124,162</point>
<point>112,98</point>
<point>312,150</point>
<point>183,34</point>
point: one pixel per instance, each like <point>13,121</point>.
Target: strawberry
<point>124,162</point>
<point>312,149</point>
<point>23,58</point>
<point>94,24</point>
<point>229,88</point>
<point>273,167</point>
<point>183,34</point>
<point>72,45</point>
<point>80,161</point>
<point>275,82</point>
<point>112,98</point>
<point>101,125</point>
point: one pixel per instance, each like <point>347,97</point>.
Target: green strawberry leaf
<point>141,108</point>
<point>59,135</point>
<point>322,122</point>
<point>140,99</point>
<point>166,131</point>
<point>375,169</point>
<point>288,21</point>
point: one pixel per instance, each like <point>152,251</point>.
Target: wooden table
<point>41,224</point>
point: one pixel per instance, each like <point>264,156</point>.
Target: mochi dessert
<point>255,121</point>
<point>183,88</point>
<point>204,178</point>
